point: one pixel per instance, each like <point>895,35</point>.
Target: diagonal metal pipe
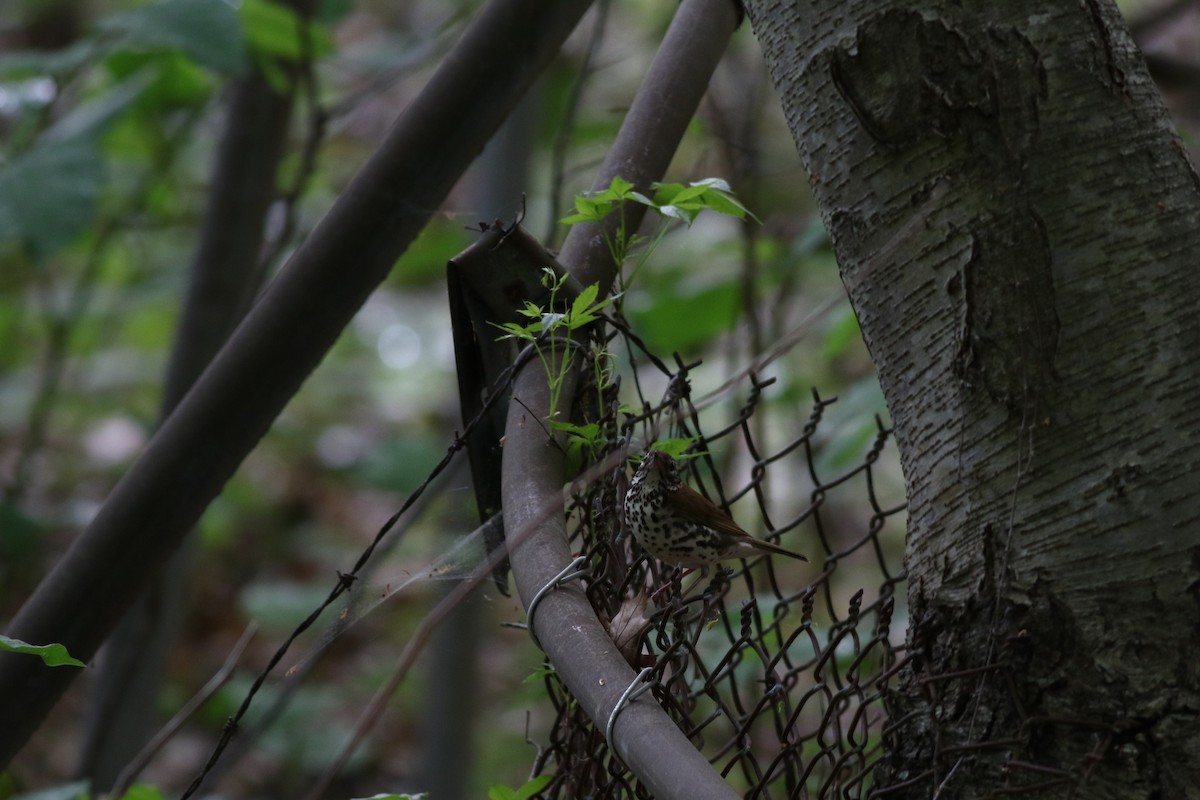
<point>566,626</point>
<point>281,341</point>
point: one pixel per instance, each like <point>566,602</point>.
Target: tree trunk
<point>1016,224</point>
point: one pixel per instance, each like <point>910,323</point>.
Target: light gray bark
<point>1016,224</point>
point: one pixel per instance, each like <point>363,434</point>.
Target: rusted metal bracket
<point>486,284</point>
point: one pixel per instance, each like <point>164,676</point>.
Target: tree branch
<point>224,277</point>
<point>566,626</point>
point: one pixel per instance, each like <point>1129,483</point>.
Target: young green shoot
<point>552,329</point>
<point>672,201</point>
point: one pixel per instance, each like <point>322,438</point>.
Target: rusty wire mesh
<point>774,669</point>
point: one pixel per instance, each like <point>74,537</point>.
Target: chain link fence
<point>776,670</point>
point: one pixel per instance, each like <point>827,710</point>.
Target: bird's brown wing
<point>694,506</point>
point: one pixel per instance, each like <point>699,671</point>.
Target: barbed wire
<point>346,580</point>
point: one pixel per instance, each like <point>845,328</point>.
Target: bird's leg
<point>676,577</point>
<point>692,585</point>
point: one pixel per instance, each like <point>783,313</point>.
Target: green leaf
<point>685,318</point>
<point>585,299</point>
<point>679,213</point>
<point>676,447</point>
<point>49,195</point>
<point>514,331</point>
<point>727,205</point>
<point>720,184</point>
<point>532,787</point>
<point>638,197</point>
<point>588,210</point>
<point>275,31</point>
<point>692,191</point>
<point>88,119</point>
<point>619,186</point>
<point>531,310</point>
<point>596,206</point>
<point>142,791</point>
<point>76,790</point>
<point>207,31</point>
<point>36,63</point>
<point>538,675</point>
<point>552,280</point>
<point>665,193</point>
<point>618,190</point>
<point>588,431</point>
<point>584,308</point>
<point>181,84</point>
<point>584,318</point>
<point>589,207</point>
<point>55,655</point>
<point>686,202</point>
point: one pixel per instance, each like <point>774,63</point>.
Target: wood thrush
<point>678,525</point>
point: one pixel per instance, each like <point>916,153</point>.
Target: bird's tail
<point>768,547</point>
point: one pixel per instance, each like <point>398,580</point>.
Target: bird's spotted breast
<point>677,525</point>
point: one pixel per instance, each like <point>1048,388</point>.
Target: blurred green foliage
<point>108,128</point>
